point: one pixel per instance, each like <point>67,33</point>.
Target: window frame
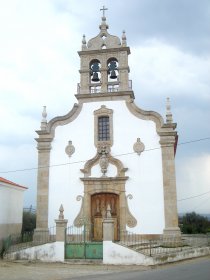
<point>103,112</point>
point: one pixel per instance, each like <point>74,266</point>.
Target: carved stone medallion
<point>138,147</point>
<point>70,149</point>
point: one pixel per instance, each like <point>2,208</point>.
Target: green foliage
<point>192,223</point>
<point>29,221</point>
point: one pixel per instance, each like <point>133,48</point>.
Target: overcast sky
<point>170,57</point>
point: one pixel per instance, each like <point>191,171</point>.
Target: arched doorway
<point>99,204</point>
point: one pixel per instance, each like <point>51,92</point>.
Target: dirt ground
<point>25,270</point>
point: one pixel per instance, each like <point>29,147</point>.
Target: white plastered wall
<point>11,204</point>
<point>144,171</point>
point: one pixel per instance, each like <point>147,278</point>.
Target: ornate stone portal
<point>102,194</point>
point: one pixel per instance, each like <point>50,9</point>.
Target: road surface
<point>196,269</point>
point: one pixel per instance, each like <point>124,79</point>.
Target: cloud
<point>159,70</point>
<point>192,180</point>
<point>180,23</point>
<point>165,70</point>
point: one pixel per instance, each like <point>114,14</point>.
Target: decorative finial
<point>103,25</point>
<point>124,42</point>
<point>84,46</point>
<point>61,216</point>
<point>169,118</point>
<point>44,119</point>
<point>103,9</point>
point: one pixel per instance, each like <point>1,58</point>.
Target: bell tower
<point>104,66</point>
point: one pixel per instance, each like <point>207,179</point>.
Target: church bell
<point>95,77</point>
<point>113,75</point>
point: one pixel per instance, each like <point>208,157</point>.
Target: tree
<point>192,223</point>
<point>29,221</point>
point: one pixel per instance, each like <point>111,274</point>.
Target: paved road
<point>193,270</point>
<point>197,269</point>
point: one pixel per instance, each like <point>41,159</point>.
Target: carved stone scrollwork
<point>95,160</point>
<point>138,147</point>
<point>104,161</point>
<point>103,148</point>
<point>79,220</point>
<point>130,220</point>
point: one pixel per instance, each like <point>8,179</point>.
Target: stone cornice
<point>167,133</point>
<point>110,50</point>
<point>104,179</point>
<point>107,96</point>
<point>45,139</point>
<point>170,125</point>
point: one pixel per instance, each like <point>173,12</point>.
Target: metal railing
<point>79,235</point>
<point>111,87</point>
<point>162,245</point>
<point>17,242</point>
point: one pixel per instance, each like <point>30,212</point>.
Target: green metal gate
<point>79,244</point>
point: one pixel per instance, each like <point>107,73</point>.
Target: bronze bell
<point>113,75</point>
<point>95,77</point>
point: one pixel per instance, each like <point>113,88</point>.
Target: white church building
<point>106,153</point>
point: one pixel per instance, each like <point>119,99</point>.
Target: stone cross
<point>103,9</point>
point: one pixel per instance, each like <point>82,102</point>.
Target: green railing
<point>79,243</point>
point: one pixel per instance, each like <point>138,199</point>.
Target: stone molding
<point>130,219</point>
<point>103,111</point>
<point>95,160</point>
<point>103,51</point>
<point>115,185</point>
<point>63,120</point>
<point>105,96</point>
<point>146,115</point>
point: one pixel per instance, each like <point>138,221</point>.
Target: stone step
<point>84,261</point>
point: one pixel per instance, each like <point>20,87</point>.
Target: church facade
<point>107,154</point>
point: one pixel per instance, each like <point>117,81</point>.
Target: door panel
<point>99,204</point>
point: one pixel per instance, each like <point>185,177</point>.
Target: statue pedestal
<point>60,229</point>
<point>108,229</point>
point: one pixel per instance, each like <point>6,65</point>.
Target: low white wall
<point>188,254</point>
<point>116,254</point>
<point>50,252</point>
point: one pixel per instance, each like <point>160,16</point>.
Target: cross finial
<point>103,9</point>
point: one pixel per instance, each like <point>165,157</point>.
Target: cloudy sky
<point>170,57</point>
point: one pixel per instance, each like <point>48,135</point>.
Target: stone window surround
<point>102,112</point>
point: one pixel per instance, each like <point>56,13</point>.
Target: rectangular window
<point>103,129</point>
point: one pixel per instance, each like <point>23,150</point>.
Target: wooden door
<point>99,203</point>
